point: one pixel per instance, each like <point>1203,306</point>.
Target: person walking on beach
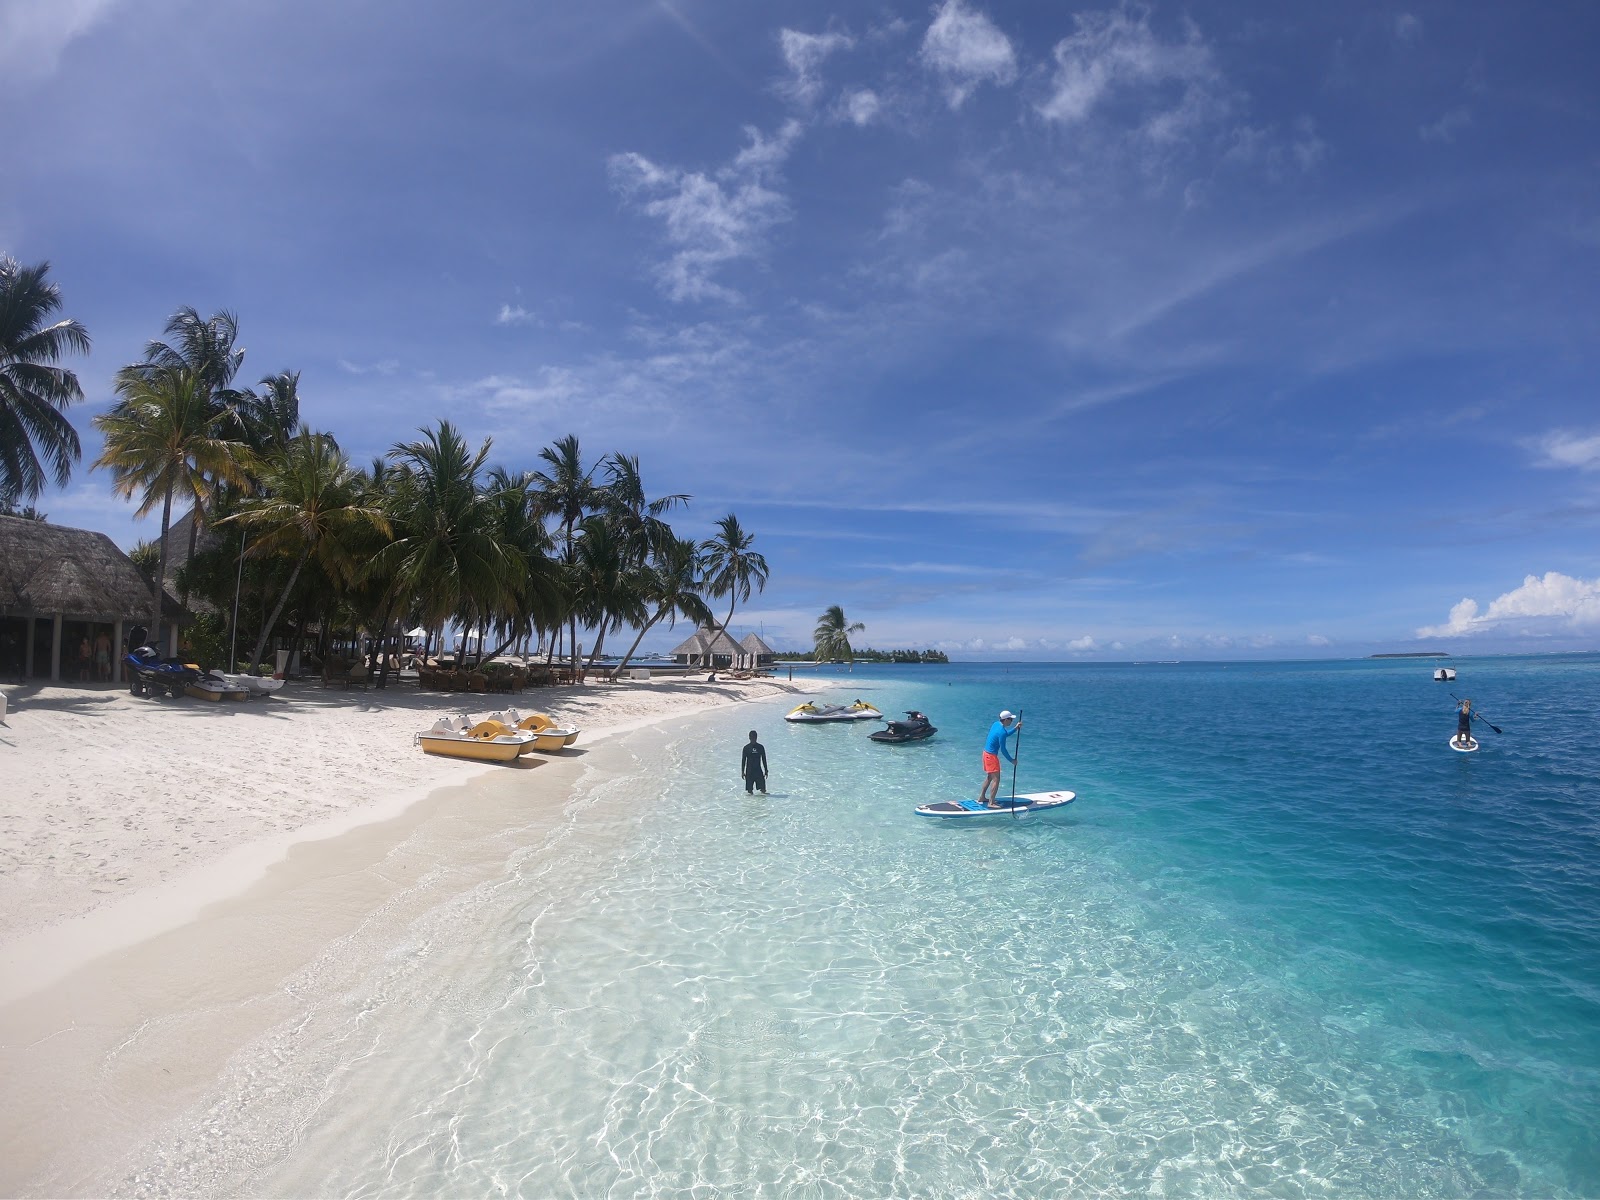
<point>753,766</point>
<point>993,748</point>
<point>1464,715</point>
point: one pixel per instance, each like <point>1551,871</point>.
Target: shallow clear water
<point>1286,943</point>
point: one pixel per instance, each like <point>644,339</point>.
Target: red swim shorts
<point>991,763</point>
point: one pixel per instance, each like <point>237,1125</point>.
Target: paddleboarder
<point>999,733</point>
<point>1464,715</point>
<point>753,766</point>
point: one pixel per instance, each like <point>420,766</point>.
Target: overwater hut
<point>60,587</point>
<point>703,648</point>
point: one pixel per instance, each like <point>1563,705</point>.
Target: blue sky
<point>1026,330</point>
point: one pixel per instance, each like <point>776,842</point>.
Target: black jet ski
<point>914,728</point>
<point>150,675</point>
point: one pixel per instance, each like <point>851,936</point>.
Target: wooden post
<point>55,650</point>
<point>116,652</point>
<point>27,641</point>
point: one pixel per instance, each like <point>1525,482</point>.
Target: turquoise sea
<point>1286,943</point>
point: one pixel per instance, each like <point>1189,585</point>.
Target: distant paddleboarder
<point>993,748</point>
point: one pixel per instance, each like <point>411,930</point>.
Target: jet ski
<point>817,714</point>
<point>915,728</point>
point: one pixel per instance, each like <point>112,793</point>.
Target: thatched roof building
<point>706,649</point>
<point>59,587</point>
<point>756,652</point>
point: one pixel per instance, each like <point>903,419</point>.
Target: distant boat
<point>1444,675</point>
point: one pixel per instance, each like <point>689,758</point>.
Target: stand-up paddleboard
<point>1472,744</point>
<point>1019,809</point>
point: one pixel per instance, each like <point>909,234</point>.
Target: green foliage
<point>205,641</point>
<point>34,392</point>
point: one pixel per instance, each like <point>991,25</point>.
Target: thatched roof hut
<point>706,649</point>
<point>756,652</point>
<point>68,583</point>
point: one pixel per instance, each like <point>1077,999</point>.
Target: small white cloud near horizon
<point>1082,645</point>
<point>1559,448</point>
<point>711,220</point>
<point>34,33</point>
<point>967,50</point>
<point>1556,603</point>
<point>1316,639</point>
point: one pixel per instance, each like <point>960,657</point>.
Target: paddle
<point>1014,758</point>
<point>1477,714</point>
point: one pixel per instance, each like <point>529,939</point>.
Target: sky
<point>1020,330</point>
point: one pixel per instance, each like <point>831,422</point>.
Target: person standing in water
<point>993,748</point>
<point>753,766</point>
<point>1464,715</point>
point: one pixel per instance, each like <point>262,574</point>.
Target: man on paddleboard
<point>999,732</point>
<point>1464,715</point>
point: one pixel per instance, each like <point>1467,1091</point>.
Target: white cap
<point>1007,715</point>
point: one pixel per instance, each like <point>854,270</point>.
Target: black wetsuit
<point>753,766</point>
<point>1464,725</point>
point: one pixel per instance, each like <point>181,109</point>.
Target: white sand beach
<point>163,864</point>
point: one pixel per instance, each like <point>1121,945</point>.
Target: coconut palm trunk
<point>277,611</point>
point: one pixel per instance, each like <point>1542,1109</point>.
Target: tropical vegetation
<point>832,635</point>
<point>291,542</point>
<point>34,390</point>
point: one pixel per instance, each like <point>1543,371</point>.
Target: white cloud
<point>1316,639</point>
<point>1082,645</point>
<point>33,33</point>
<point>967,49</point>
<point>1554,603</point>
<point>805,53</point>
<point>860,107</point>
<point>387,366</point>
<point>1558,448</point>
<point>711,220</point>
<point>1447,126</point>
<point>514,314</point>
<point>1407,27</point>
<point>1118,50</point>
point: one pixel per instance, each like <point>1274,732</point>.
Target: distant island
<point>1413,654</point>
<point>879,656</point>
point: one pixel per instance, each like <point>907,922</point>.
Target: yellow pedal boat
<point>548,736</point>
<point>487,741</point>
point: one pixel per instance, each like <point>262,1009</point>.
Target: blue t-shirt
<point>998,733</point>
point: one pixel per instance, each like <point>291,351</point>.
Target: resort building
<point>756,652</point>
<point>705,649</point>
<point>64,590</point>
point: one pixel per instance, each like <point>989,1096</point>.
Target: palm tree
<point>671,583</point>
<point>732,567</point>
<point>832,635</point>
<point>567,491</point>
<point>34,392</point>
<point>607,591</point>
<point>636,518</point>
<point>161,439</point>
<point>446,555</point>
<point>205,347</point>
<point>271,417</point>
<point>314,504</point>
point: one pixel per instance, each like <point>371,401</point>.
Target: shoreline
<point>121,1015</point>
